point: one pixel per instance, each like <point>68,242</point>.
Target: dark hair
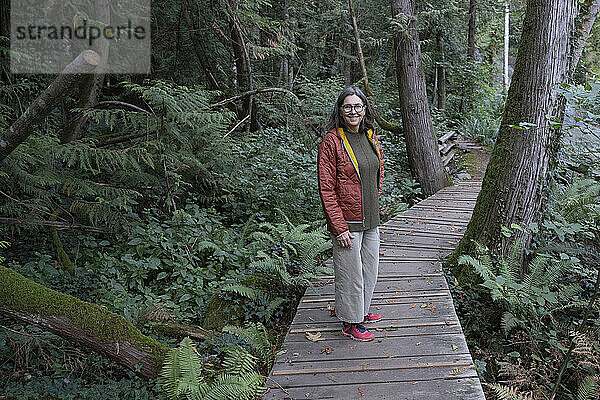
<point>336,120</point>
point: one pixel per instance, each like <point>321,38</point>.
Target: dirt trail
<point>474,158</point>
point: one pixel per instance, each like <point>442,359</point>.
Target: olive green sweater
<point>368,165</point>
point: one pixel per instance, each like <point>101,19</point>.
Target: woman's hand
<point>344,239</point>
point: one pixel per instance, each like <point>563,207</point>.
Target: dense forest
<point>159,229</point>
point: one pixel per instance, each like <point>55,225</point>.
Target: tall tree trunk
<point>421,144</point>
<point>5,18</point>
<point>506,41</point>
<point>5,31</point>
<point>518,170</point>
<point>441,73</point>
<point>198,48</point>
<point>50,98</point>
<point>242,64</point>
<point>386,125</point>
<point>79,322</point>
<point>92,86</point>
<point>471,32</point>
<point>587,15</point>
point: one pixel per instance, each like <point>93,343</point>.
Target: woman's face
<point>353,111</point>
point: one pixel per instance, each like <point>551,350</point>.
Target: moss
<point>221,312</point>
<point>63,257</point>
<point>21,294</point>
<point>468,163</point>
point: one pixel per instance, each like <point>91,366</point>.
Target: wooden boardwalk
<point>419,351</point>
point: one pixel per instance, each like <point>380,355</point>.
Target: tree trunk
<point>80,322</point>
<point>587,16</point>
<point>518,170</point>
<point>471,33</point>
<point>5,18</point>
<point>383,124</point>
<point>242,64</point>
<point>47,101</point>
<point>506,42</point>
<point>92,86</point>
<point>200,53</point>
<point>440,73</point>
<point>421,144</point>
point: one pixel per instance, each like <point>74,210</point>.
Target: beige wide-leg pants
<point>356,271</point>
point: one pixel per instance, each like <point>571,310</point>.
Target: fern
<point>587,389</point>
<point>259,339</point>
<point>528,299</point>
<point>181,375</point>
<point>507,393</point>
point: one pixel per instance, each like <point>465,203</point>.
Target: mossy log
<point>82,323</point>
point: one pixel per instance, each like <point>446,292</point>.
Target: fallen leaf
<point>458,371</point>
<point>313,337</point>
<point>414,383</point>
<point>432,308</point>
<point>413,306</point>
<point>387,354</point>
<point>327,350</point>
<point>424,305</point>
<point>352,347</point>
<point>361,392</point>
<point>454,347</point>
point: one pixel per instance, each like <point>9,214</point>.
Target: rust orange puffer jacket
<point>339,180</point>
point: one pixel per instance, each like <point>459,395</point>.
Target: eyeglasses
<point>349,107</point>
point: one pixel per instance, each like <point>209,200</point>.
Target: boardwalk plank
<point>455,389</point>
<point>298,333</point>
<point>383,347</point>
<point>393,311</point>
<point>419,351</point>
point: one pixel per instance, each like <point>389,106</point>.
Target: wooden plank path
<point>419,351</point>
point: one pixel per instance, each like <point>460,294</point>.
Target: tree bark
<point>242,64</point>
<point>5,18</point>
<point>506,42</point>
<point>82,323</point>
<point>92,86</point>
<point>441,73</point>
<point>587,16</point>
<point>200,52</point>
<point>471,32</point>
<point>517,173</point>
<point>50,98</point>
<point>421,144</point>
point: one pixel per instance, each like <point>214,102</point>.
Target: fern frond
<point>506,393</point>
<point>587,389</point>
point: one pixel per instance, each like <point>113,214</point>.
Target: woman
<point>350,174</point>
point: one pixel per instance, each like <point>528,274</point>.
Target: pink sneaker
<point>370,317</point>
<point>358,332</point>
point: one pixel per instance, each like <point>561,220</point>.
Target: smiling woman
<point>350,173</point>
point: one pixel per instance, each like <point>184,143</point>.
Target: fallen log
<point>47,101</point>
<point>84,324</point>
